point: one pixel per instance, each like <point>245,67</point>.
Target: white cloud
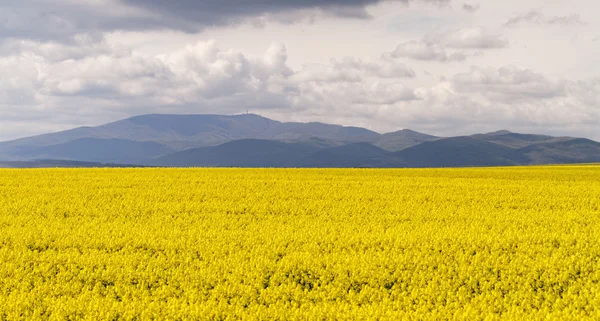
<point>508,84</point>
<point>427,51</point>
<point>353,70</point>
<point>469,38</point>
<point>19,82</point>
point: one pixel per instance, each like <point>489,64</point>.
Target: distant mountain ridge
<point>182,132</point>
<point>253,141</point>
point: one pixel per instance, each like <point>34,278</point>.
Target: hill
<point>101,150</point>
<point>457,152</point>
<point>402,139</point>
<point>240,153</point>
<point>351,155</point>
<point>268,153</point>
<point>578,150</point>
<point>516,140</point>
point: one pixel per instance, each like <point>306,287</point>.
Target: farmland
<point>495,243</point>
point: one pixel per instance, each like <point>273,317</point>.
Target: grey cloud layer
<point>60,20</point>
<point>217,12</point>
<point>470,8</point>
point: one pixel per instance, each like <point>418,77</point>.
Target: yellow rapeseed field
<point>305,244</point>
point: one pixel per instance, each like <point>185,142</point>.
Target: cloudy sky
<point>445,67</point>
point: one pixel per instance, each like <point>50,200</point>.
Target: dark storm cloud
<point>60,20</point>
<point>211,11</point>
<point>197,14</point>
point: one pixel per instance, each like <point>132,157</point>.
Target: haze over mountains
<point>253,141</point>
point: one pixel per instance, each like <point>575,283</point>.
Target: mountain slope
<point>516,140</point>
<point>175,131</point>
<point>402,139</point>
<point>351,155</point>
<point>456,152</point>
<point>578,150</point>
<point>101,150</point>
<point>267,153</point>
<point>240,153</point>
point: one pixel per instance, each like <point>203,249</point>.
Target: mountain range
<point>253,141</point>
